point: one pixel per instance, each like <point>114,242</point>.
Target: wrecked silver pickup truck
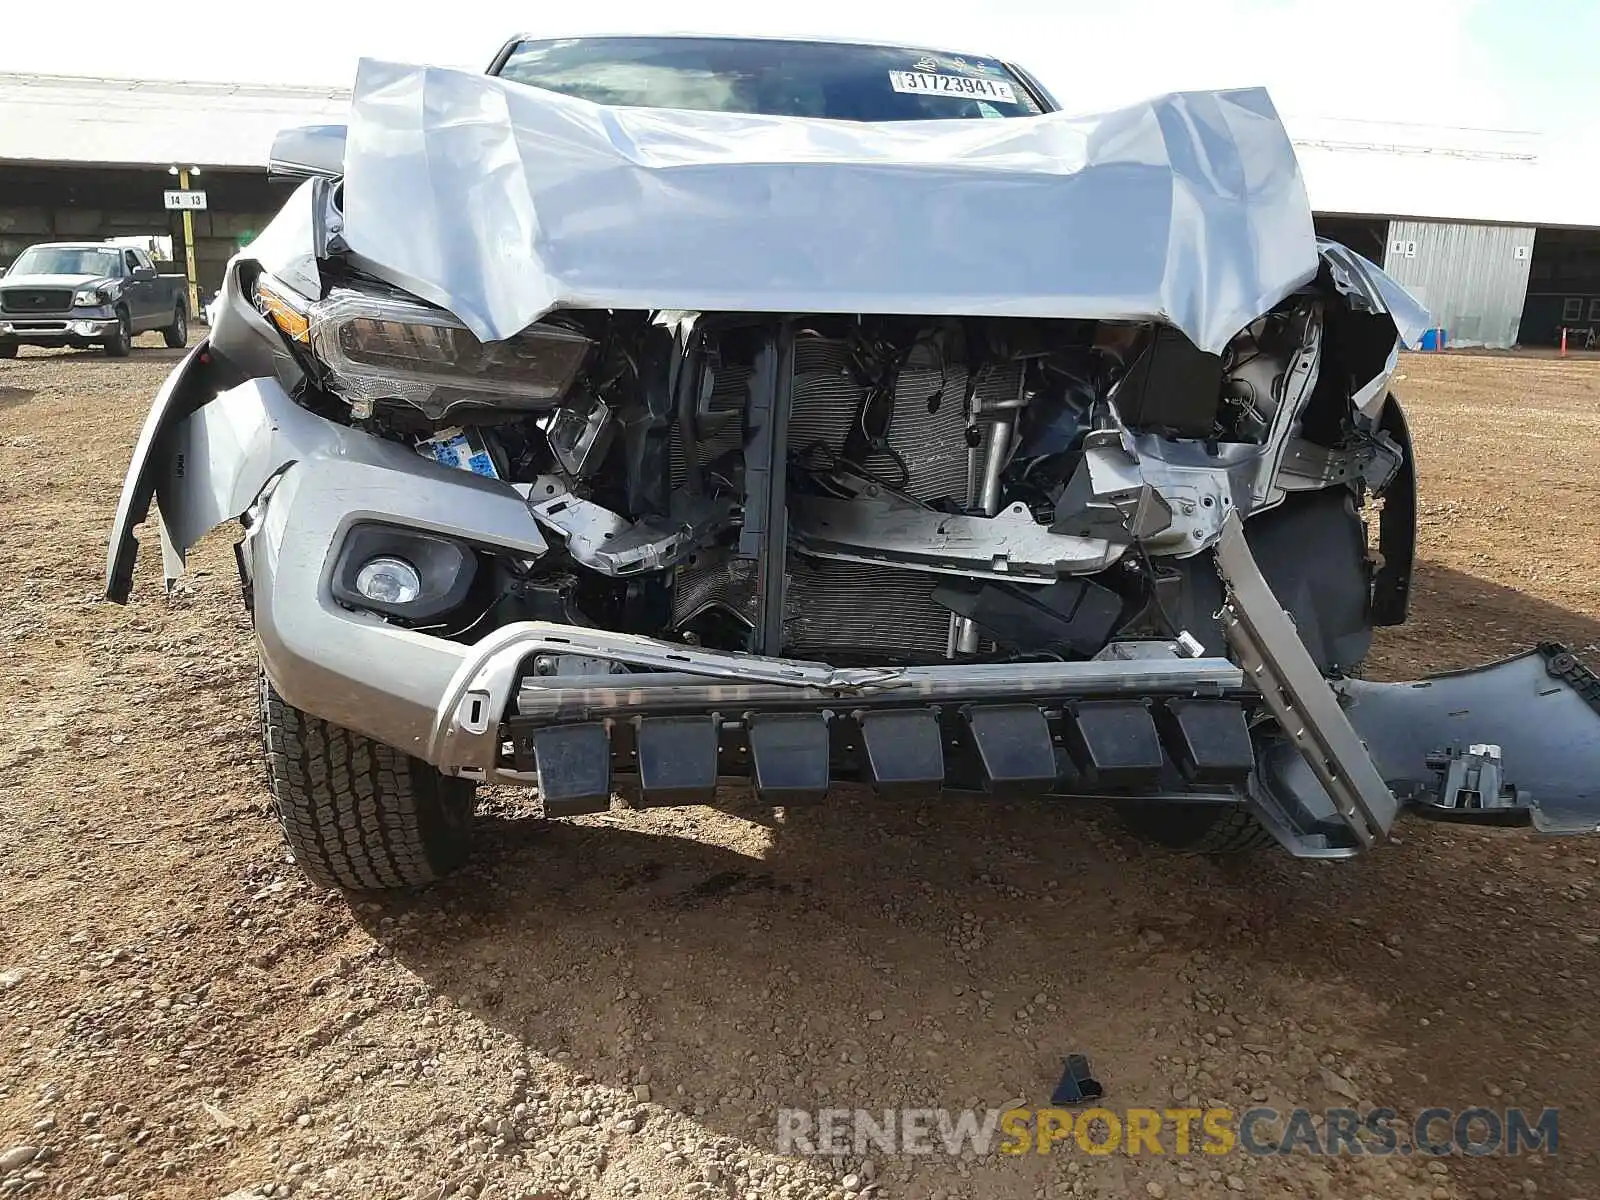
<point>653,411</point>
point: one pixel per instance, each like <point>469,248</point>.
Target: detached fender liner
<point>1542,709</point>
<point>188,387</point>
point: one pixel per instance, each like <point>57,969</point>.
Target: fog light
<point>85,328</point>
<point>411,576</point>
<point>388,580</point>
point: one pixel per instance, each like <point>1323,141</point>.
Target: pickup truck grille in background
<point>35,300</point>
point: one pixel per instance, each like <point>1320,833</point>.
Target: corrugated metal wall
<point>1472,278</point>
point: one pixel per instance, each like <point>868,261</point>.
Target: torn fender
<point>1368,288</point>
<point>180,394</point>
<point>208,464</point>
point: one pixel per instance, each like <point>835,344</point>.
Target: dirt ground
<point>616,1006</point>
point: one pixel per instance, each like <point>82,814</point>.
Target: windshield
<point>60,260</point>
<point>778,78</point>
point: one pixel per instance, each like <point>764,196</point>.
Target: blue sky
<point>1521,64</point>
<point>1544,58</point>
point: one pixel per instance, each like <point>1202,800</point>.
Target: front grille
<point>35,300</point>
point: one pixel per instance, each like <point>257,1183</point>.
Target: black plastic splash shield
<point>795,756</point>
<point>1542,709</point>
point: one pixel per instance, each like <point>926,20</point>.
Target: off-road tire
<point>1210,829</point>
<point>122,345</point>
<point>176,335</point>
<point>360,815</point>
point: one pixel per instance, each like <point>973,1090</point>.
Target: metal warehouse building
<point>89,158</point>
<point>1497,235</point>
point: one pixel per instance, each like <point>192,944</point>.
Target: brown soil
<point>182,1016</point>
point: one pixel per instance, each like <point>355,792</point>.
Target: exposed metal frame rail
<point>718,679</point>
<point>1294,691</point>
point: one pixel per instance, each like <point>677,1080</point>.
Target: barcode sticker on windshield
<point>952,85</point>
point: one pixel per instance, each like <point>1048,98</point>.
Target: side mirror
<point>144,274</point>
<point>306,151</point>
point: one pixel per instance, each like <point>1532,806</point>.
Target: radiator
<point>828,606</point>
<point>834,606</point>
<point>730,390</point>
<point>928,430</point>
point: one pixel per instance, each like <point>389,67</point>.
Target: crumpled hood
<point>501,202</point>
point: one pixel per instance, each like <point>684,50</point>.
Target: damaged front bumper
<point>1326,767</point>
<point>304,484</point>
<point>453,703</point>
<point>689,717</point>
<point>1515,742</point>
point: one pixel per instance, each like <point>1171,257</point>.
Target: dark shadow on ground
<point>1459,620</point>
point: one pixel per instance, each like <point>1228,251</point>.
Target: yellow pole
<point>188,249</point>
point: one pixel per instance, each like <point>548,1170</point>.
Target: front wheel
<point>360,815</point>
<point>120,344</point>
<point>176,335</point>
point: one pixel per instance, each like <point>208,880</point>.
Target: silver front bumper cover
<point>302,482</point>
<point>443,701</point>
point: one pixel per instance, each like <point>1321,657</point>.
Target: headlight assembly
<point>382,348</point>
<point>284,307</point>
<point>90,298</point>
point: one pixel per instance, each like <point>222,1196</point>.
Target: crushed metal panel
<point>1009,545</point>
<point>1187,208</point>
